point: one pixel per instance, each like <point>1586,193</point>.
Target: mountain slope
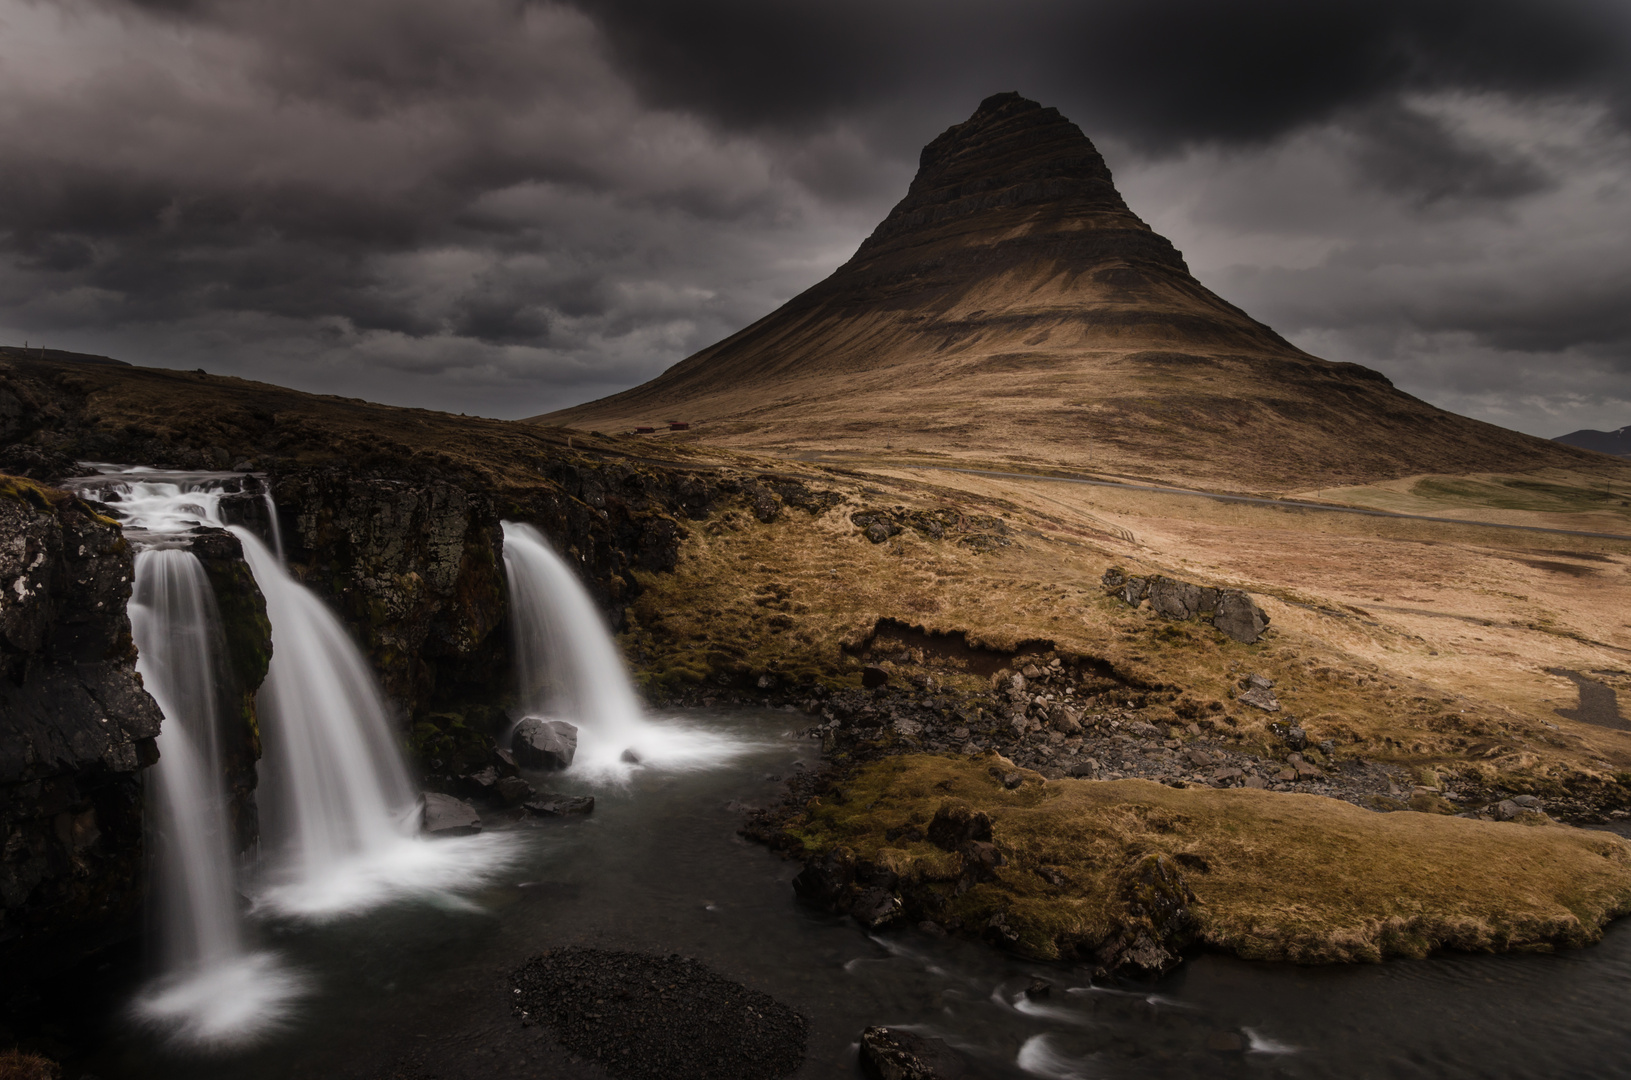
<point>1012,307</point>
<point>1617,442</point>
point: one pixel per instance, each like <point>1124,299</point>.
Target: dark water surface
<point>418,990</point>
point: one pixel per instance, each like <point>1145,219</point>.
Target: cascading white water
<point>340,815</point>
<point>569,668</point>
<point>211,987</point>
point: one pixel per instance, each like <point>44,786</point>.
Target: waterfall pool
<point>417,988</point>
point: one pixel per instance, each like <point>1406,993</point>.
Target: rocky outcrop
<point>247,637</point>
<point>1230,610</point>
<point>76,728</point>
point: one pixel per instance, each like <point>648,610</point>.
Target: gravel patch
<point>649,1017</point>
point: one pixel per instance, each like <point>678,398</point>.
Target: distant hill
<point>1617,442</point>
<point>1012,308</point>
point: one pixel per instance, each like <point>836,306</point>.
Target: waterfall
<point>335,790</point>
<point>566,660</point>
<point>569,668</point>
<point>341,818</point>
<point>211,988</point>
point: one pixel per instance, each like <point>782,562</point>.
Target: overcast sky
<point>501,207</point>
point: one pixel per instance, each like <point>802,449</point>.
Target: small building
<point>644,430</point>
<point>678,425</point>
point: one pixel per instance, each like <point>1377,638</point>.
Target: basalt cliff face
<point>1013,307</point>
<point>78,727</point>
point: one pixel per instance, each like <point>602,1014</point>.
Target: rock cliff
<point>78,726</point>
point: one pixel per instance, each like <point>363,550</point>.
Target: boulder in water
<point>896,1054</point>
<point>544,744</point>
<point>547,805</point>
<point>447,816</point>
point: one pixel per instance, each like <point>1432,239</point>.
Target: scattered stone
<point>1012,780</point>
<point>1261,682</point>
<point>446,816</point>
<point>1259,698</point>
<point>648,1017</point>
<point>1528,802</point>
<point>910,728</point>
<point>544,744</point>
<point>560,805</point>
<point>876,908</point>
<point>513,790</point>
<point>1290,734</point>
<point>893,1054</point>
<point>873,677</point>
<point>1506,810</point>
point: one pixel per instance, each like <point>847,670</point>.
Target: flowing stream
<point>412,984</point>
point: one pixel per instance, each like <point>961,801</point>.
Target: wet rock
<point>1157,923</point>
<point>893,1054</point>
<point>1039,988</point>
<point>1227,1042</point>
<point>873,677</point>
<point>826,879</point>
<point>513,790</point>
<point>446,816</point>
<point>1239,616</point>
<point>876,908</point>
<point>547,805</point>
<point>76,728</point>
<point>629,757</point>
<point>544,744</point>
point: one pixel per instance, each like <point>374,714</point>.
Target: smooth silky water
<point>659,866</point>
<point>417,975</point>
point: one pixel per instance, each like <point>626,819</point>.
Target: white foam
<point>1262,1044</point>
<point>434,869</point>
<point>222,1006</point>
<point>1039,1058</point>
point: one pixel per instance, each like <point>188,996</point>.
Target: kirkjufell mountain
<point>1012,308</point>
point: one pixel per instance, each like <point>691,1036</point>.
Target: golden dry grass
<point>16,1065</point>
<point>1411,642</point>
<point>1275,876</point>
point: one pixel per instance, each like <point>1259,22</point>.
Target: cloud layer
<point>504,207</point>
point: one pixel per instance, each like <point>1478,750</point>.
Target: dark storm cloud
<point>1161,71</point>
<point>506,206</point>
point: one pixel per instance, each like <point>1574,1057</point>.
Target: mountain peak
<point>1011,307</point>
<point>1015,157</point>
